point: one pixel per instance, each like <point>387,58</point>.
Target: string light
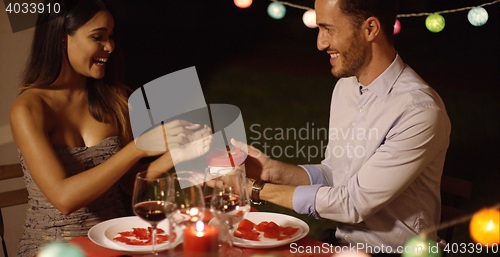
<point>479,17</point>
<point>426,247</point>
<point>397,27</point>
<point>243,3</point>
<point>434,22</point>
<point>276,10</point>
<point>309,19</point>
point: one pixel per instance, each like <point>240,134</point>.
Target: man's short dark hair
<point>384,10</point>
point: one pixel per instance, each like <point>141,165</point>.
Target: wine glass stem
<point>231,235</point>
<point>153,239</point>
<point>232,251</point>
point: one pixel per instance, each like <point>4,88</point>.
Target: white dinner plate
<point>103,233</point>
<point>280,219</point>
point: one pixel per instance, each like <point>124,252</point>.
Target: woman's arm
<point>31,122</point>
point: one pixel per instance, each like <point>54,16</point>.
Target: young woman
<point>70,124</point>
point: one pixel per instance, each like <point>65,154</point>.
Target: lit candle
<point>201,239</point>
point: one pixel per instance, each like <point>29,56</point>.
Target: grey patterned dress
<point>45,223</point>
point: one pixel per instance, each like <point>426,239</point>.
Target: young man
<point>388,137</point>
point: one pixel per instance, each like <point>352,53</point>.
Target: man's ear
<point>372,28</point>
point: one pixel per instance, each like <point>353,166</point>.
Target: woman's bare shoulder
<point>31,104</point>
<point>32,99</point>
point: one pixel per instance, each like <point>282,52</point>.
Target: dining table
<point>90,249</point>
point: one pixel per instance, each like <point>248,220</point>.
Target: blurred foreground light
<point>477,16</point>
<point>484,227</point>
<point>421,247</point>
<point>435,22</point>
<point>309,19</point>
<point>60,250</point>
<point>352,254</point>
<point>276,10</point>
<point>397,27</point>
<point>243,3</point>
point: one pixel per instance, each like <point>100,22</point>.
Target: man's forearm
<point>288,174</point>
<point>278,194</point>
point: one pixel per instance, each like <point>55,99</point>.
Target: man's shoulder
<point>411,86</point>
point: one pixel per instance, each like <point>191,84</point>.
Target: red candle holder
<point>201,239</point>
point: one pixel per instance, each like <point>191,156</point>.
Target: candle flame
<point>200,226</point>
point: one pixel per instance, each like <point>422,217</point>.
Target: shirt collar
<point>382,85</point>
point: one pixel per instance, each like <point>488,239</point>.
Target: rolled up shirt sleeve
<point>304,198</point>
<point>314,173</point>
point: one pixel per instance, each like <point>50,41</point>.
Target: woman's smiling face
<point>89,48</point>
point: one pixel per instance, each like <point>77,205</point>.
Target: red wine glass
<point>152,201</point>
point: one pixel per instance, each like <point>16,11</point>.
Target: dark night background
<point>273,72</point>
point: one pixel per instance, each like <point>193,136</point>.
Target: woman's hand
<point>167,136</point>
<point>198,145</point>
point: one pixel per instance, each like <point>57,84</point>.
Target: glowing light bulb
<point>434,22</point>
<point>477,16</point>
<point>309,19</point>
<point>60,250</point>
<point>484,227</point>
<point>397,27</point>
<point>421,247</point>
<point>243,3</point>
<point>276,10</point>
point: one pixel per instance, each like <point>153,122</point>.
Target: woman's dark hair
<point>384,10</point>
<point>107,96</point>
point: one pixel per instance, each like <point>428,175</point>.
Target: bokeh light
<point>484,226</point>
<point>243,3</point>
<point>477,16</point>
<point>435,22</point>
<point>421,247</point>
<point>309,19</point>
<point>397,27</point>
<point>276,10</point>
<point>60,250</point>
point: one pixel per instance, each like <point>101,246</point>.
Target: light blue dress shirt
<point>381,175</point>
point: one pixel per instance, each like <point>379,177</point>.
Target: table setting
<point>194,213</point>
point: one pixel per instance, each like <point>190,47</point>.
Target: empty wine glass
<point>152,201</point>
<point>230,202</point>
<point>189,200</point>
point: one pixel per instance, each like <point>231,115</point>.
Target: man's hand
<point>257,165</point>
<point>260,166</point>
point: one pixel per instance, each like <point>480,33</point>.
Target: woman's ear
<point>65,40</point>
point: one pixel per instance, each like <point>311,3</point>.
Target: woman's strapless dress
<point>46,224</point>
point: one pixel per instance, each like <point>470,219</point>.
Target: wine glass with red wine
<point>152,201</point>
<point>230,202</point>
